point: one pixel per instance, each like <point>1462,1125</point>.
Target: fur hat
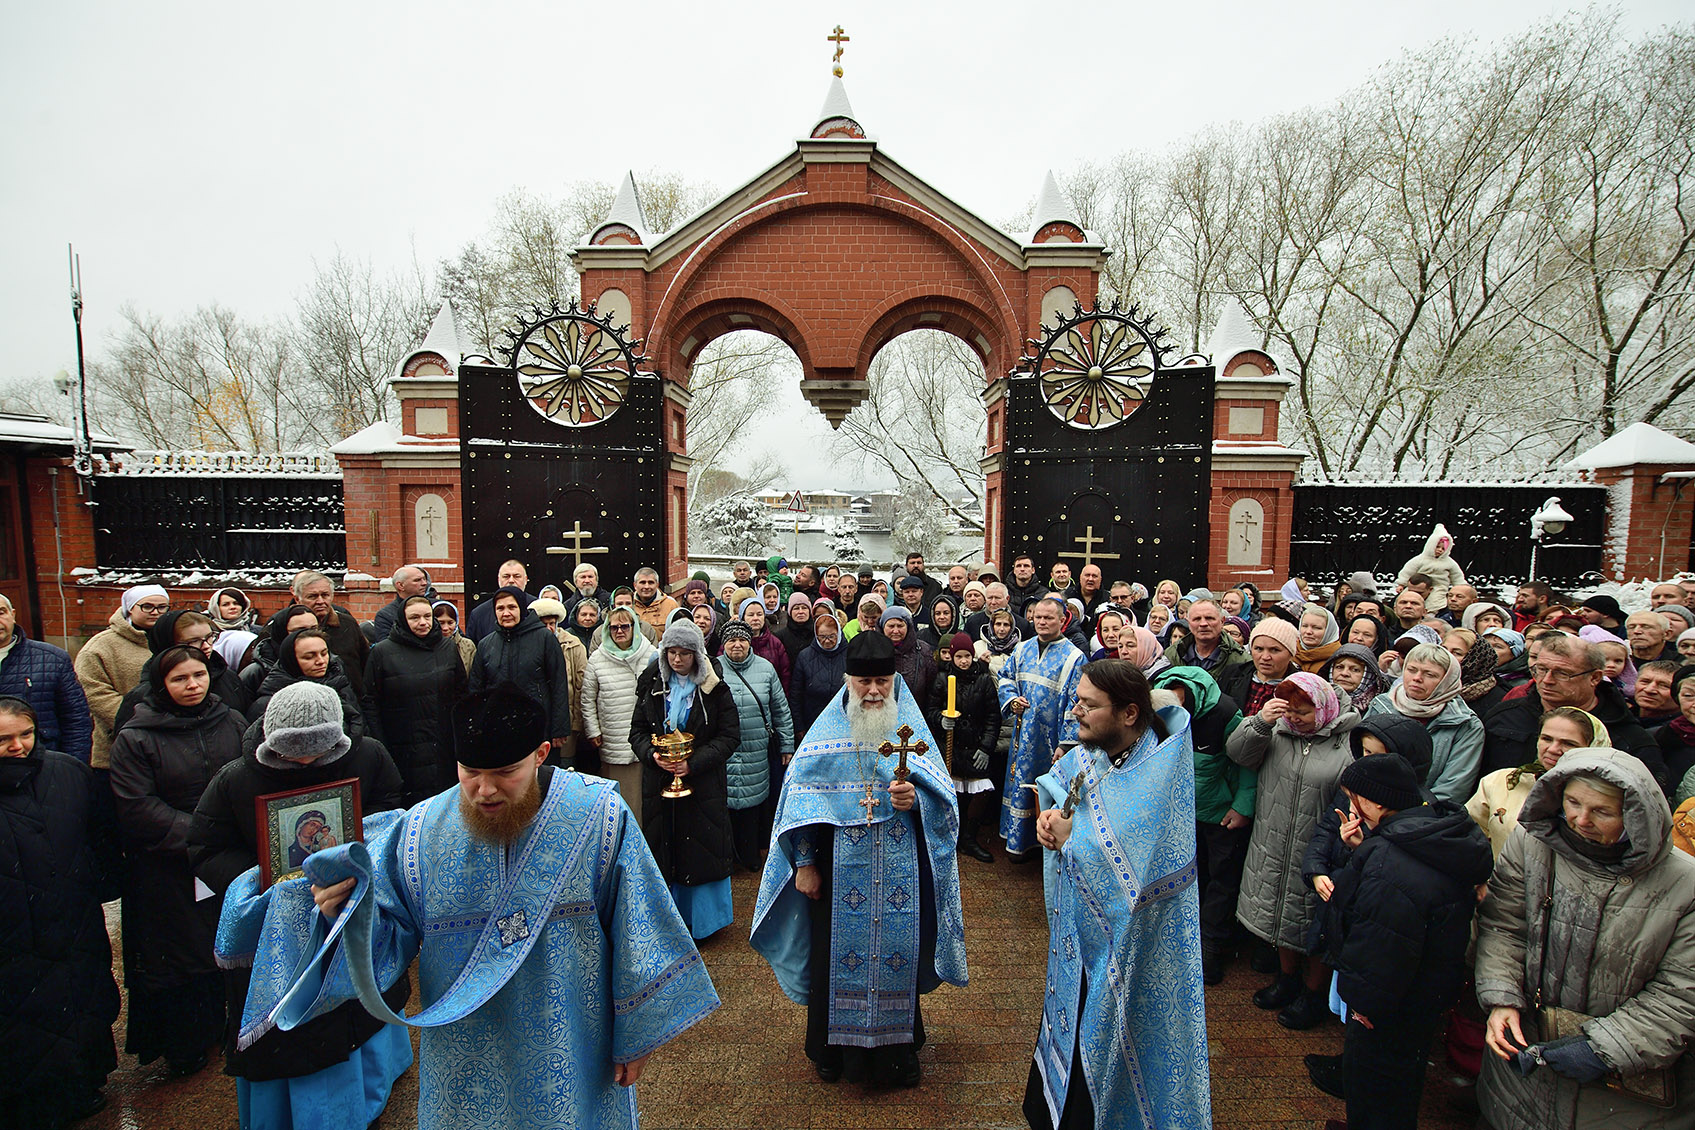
<point>304,722</point>
<point>545,608</point>
<point>1386,779</point>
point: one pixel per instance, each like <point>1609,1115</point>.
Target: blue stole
<point>877,969</point>
<point>1048,679</point>
<point>1123,910</point>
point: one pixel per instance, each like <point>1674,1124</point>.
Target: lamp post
<point>1551,518</point>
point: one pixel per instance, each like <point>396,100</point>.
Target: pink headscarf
<point>1326,706</point>
<point>1147,646</point>
<point>1594,633</point>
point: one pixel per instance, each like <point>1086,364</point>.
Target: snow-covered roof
<point>1233,334</point>
<point>1639,443</point>
<point>442,340</point>
<point>385,438</point>
<point>42,432</point>
<point>626,212</point>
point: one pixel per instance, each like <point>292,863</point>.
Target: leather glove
<point>1574,1057</point>
<point>947,723</point>
<point>980,760</point>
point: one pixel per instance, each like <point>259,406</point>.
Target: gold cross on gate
<point>838,38</point>
<point>869,804</point>
<point>906,746</point>
<point>1089,541</point>
<point>576,535</point>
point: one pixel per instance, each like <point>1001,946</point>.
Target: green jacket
<point>1220,784</point>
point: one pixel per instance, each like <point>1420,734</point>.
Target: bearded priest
<point>859,909</point>
<point>551,959</point>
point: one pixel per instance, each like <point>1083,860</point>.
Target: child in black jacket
<point>1396,926</point>
<point>976,767</point>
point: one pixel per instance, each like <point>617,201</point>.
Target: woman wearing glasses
<point>609,701</point>
<point>109,665</point>
<point>192,630</point>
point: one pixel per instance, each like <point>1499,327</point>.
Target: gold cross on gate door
<point>1089,541</point>
<point>838,38</point>
<point>576,535</point>
<point>906,746</point>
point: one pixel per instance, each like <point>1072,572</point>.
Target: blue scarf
<point>679,698</point>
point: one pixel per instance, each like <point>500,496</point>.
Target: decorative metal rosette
<point>573,366</point>
<point>1095,366</point>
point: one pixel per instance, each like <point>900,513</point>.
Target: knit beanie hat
<point>303,721</point>
<point>700,575</point>
<point>978,587</point>
<point>1363,582</point>
<point>1281,631</point>
<point>959,642</point>
<point>1384,779</point>
<point>736,630</point>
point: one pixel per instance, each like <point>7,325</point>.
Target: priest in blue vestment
<point>1037,687</point>
<point>1122,1042</point>
<point>859,910</point>
<point>552,961</point>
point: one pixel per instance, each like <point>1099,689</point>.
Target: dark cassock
<point>551,959</point>
<point>883,924</point>
<point>1123,1017</point>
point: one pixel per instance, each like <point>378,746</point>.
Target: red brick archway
<point>835,250</point>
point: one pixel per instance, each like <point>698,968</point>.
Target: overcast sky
<point>200,152</point>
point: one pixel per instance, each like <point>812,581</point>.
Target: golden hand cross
<point>906,746</point>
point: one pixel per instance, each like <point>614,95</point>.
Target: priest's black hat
<point>870,654</point>
<point>497,727</point>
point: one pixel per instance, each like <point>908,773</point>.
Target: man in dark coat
<point>42,676</point>
<point>57,997</point>
<point>522,651</point>
<point>585,585</point>
<point>1568,673</point>
<point>479,622</point>
<point>409,581</point>
<point>341,627</point>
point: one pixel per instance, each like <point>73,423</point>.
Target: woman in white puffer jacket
<point>609,701</point>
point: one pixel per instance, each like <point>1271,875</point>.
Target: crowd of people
<point>1415,809</point>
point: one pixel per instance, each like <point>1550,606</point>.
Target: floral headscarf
<point>1326,706</point>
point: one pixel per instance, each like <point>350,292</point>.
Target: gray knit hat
<point>304,722</point>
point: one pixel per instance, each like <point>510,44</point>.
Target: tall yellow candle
<point>953,683</point>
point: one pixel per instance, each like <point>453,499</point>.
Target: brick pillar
<point>1253,475</point>
<point>62,529</point>
<point>1649,519</point>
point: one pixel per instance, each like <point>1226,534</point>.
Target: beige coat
<point>1621,949</point>
<point>109,667</point>
<point>1495,805</point>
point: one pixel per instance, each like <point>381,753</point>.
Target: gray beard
<point>871,728</point>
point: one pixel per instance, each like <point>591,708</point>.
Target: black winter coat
<point>1326,854</point>
<point>1510,733</point>
<point>287,671</point>
<point>690,837</point>
<point>42,676</point>
<point>348,644</point>
<point>914,664</point>
<point>224,842</point>
<point>528,656</point>
<point>978,726</point>
<point>796,638</point>
<point>1397,926</point>
<point>161,764</point>
<point>411,684</point>
<point>57,997</point>
<point>816,678</point>
<point>265,650</point>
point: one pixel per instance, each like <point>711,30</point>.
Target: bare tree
<point>352,330</point>
<point>924,422</point>
<point>732,378</point>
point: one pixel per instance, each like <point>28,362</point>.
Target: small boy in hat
<point>1396,926</point>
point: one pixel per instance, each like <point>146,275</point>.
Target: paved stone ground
<point>743,1066</point>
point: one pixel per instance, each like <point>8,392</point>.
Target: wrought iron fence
<point>1379,526</point>
<point>219,516</point>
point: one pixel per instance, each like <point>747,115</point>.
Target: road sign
<point>797,503</point>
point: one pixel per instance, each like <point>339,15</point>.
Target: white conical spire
<point>838,109</point>
<point>1052,206</point>
<point>443,337</point>
<point>626,210</point>
<point>836,103</point>
<point>1233,333</point>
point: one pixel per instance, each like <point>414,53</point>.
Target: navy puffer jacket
<point>42,676</point>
